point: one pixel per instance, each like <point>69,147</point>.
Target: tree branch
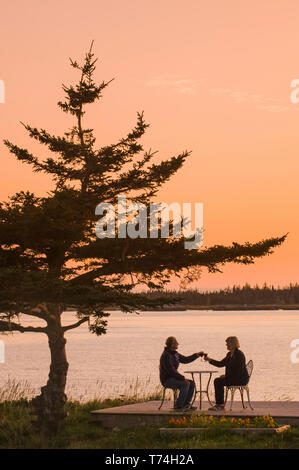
<point>40,311</point>
<point>10,326</point>
<point>75,325</point>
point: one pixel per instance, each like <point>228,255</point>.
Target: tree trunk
<point>49,405</point>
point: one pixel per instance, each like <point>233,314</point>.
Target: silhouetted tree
<point>50,258</point>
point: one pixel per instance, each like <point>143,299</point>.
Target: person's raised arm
<point>187,359</point>
<point>215,363</point>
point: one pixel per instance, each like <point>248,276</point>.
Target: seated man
<point>171,378</point>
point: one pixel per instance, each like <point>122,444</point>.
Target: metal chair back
<point>249,367</point>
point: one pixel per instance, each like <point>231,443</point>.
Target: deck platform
<point>147,413</point>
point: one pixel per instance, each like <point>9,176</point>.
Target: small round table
<point>201,391</point>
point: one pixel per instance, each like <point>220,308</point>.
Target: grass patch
<point>81,432</point>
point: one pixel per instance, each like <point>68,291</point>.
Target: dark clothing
<point>219,385</point>
<point>186,391</point>
<point>235,368</point>
<point>169,363</point>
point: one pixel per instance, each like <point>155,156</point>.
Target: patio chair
<point>241,388</point>
<point>175,395</point>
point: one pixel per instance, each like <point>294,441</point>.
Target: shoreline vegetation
<point>178,308</point>
<point>232,298</point>
<point>229,299</point>
<point>225,307</point>
<point>81,432</point>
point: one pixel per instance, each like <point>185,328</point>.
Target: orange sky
<point>211,77</point>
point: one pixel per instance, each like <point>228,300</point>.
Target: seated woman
<point>235,371</point>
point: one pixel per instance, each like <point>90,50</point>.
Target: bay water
<point>126,359</point>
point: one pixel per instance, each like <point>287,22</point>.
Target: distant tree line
<point>237,295</point>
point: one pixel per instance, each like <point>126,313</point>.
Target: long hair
<point>233,340</point>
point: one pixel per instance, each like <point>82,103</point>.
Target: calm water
<point>110,364</point>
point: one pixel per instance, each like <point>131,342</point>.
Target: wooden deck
<point>147,413</point>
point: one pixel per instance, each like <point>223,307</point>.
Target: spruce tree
<point>50,257</point>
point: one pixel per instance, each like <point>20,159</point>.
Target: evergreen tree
<point>50,257</point>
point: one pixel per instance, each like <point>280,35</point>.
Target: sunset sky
<point>212,77</point>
